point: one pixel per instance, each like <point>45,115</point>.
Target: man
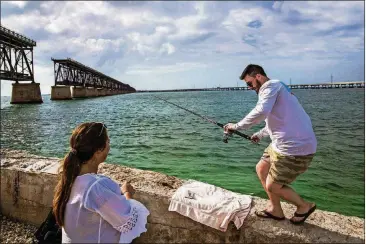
<point>293,142</point>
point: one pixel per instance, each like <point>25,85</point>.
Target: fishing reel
<point>226,136</point>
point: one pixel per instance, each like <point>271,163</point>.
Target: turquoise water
<point>147,133</point>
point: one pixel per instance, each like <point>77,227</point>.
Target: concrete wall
<point>60,93</point>
<point>27,183</point>
<point>26,93</point>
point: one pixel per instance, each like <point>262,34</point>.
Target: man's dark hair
<point>252,70</point>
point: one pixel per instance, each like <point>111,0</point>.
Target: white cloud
<point>163,69</point>
<point>137,39</point>
<point>167,48</point>
<point>19,4</point>
<point>277,5</point>
<point>22,22</point>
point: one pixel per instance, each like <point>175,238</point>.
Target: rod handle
<point>236,132</point>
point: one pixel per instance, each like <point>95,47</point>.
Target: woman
<point>91,207</point>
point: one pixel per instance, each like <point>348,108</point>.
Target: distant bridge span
<point>350,84</point>
<point>69,72</point>
<point>86,82</point>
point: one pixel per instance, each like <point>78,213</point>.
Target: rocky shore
<point>13,231</point>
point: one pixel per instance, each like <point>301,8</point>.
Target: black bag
<point>48,232</point>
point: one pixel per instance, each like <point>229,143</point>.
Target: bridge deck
<point>12,38</point>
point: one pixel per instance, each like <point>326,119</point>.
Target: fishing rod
<point>210,121</point>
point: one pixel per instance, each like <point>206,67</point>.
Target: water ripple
<point>150,134</point>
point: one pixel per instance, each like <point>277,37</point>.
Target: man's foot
<point>302,213</point>
<point>267,214</point>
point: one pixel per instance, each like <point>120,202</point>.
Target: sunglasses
<point>103,126</point>
<point>101,131</point>
<point>249,84</point>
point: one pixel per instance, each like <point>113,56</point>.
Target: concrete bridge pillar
<point>101,92</point>
<point>60,93</point>
<point>26,93</point>
<point>91,92</point>
<point>78,92</point>
<point>95,92</point>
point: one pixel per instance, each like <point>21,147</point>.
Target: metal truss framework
<point>69,72</point>
<point>16,56</point>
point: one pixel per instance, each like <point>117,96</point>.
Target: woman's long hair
<point>86,139</point>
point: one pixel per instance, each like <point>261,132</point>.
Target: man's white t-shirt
<point>287,123</point>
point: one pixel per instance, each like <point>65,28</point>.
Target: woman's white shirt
<point>97,212</point>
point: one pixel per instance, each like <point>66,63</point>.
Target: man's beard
<point>259,86</point>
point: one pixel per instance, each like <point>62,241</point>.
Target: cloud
<point>19,4</point>
<point>163,69</point>
<point>136,39</point>
<point>255,24</point>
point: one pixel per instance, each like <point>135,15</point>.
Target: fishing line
<point>208,120</point>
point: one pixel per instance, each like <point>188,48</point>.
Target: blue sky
<point>173,45</point>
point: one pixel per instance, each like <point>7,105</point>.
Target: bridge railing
<point>12,34</point>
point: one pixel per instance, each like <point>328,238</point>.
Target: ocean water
<point>147,133</point>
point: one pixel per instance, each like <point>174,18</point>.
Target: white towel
<point>210,205</point>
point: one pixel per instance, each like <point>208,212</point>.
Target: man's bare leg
<point>274,206</point>
<point>288,194</point>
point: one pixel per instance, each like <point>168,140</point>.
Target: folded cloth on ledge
<point>210,205</point>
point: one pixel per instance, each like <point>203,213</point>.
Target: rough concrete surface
<point>27,183</point>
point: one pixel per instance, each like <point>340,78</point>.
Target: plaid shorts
<point>284,169</point>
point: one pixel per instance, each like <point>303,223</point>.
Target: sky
<point>177,45</point>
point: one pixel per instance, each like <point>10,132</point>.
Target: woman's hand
<point>127,190</point>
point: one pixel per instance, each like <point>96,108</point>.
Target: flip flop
<point>305,215</point>
<point>267,215</point>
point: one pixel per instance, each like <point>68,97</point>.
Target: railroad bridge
<point>16,64</point>
<point>85,81</point>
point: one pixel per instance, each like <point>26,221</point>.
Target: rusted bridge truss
<point>16,56</point>
<point>69,72</point>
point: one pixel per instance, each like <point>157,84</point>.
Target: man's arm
<point>267,99</point>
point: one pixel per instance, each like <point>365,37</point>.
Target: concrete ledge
<point>26,93</point>
<point>28,181</point>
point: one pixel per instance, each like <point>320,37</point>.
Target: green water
<point>149,134</point>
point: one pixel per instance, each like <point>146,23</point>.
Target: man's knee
<point>273,187</point>
<point>262,167</point>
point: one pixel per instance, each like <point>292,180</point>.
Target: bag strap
<point>49,225</point>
